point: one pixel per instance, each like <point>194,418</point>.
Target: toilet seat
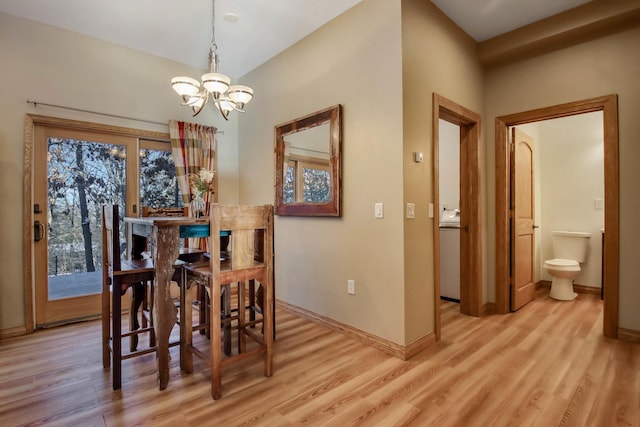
<point>559,264</point>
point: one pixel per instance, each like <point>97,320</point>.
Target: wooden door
<point>522,220</point>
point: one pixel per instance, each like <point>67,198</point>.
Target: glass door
<point>76,173</point>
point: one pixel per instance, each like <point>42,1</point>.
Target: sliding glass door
<point>75,173</point>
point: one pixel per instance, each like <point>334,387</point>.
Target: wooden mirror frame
<point>332,116</point>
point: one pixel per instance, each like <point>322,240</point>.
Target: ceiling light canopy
<point>214,85</point>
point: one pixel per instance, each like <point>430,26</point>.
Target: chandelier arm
<point>222,112</point>
<point>206,100</point>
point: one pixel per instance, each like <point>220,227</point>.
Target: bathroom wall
<point>569,176</point>
<point>449,165</point>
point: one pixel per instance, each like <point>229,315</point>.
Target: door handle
<point>38,231</point>
<point>536,226</point>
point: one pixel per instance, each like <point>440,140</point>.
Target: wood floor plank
<point>547,364</point>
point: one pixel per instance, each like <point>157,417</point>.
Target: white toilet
<point>569,249</point>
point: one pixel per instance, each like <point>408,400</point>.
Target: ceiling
<point>181,29</point>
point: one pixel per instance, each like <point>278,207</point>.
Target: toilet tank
<point>570,245</point>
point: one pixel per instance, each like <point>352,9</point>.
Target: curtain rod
<point>35,104</point>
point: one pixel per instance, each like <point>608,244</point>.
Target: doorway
<point>608,106</point>
<point>470,232</point>
<point>71,169</point>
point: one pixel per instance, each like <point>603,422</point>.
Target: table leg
<point>187,296</point>
<point>165,244</point>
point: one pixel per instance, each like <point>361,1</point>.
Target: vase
<point>198,205</point>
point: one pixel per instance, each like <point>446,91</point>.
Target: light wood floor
<point>545,365</point>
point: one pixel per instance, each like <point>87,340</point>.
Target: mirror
<point>308,157</point>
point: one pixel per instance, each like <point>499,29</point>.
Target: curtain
<point>193,147</point>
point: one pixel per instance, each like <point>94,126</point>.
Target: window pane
<point>316,185</point>
<point>82,176</point>
<point>288,193</point>
<point>158,183</point>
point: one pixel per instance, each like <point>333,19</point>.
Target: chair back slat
<point>111,237</point>
<point>242,217</point>
<point>242,242</point>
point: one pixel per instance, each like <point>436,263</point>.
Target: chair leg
<point>202,314</point>
<point>139,294</point>
<point>205,307</point>
<point>242,304</point>
<point>216,351</point>
<point>225,304</point>
<point>116,336</point>
<point>268,327</point>
<point>252,301</point>
<point>106,323</point>
<point>152,333</point>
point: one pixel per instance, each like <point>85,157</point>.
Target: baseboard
<point>580,289</point>
<point>13,332</point>
<point>543,284</point>
<point>396,350</point>
<point>629,335</point>
<point>586,290</point>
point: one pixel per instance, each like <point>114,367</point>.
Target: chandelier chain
<point>214,46</point>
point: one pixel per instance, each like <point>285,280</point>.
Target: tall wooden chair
<point>117,277</point>
<point>251,231</point>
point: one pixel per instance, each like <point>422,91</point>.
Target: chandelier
<point>215,87</point>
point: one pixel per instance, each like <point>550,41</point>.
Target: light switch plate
<point>379,210</point>
<point>411,210</point>
<point>598,203</point>
<point>430,210</point>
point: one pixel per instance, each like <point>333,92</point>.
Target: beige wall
<point>379,62</point>
<point>437,57</point>
<point>604,66</point>
<point>355,61</point>
<point>54,66</point>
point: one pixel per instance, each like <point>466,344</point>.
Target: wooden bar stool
<point>244,223</point>
<point>117,276</point>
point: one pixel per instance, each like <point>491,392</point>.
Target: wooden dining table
<point>164,234</point>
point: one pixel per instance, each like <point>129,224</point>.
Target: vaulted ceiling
<point>256,31</point>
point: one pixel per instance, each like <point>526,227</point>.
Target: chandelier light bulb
<point>216,83</point>
<point>185,85</point>
<point>241,95</point>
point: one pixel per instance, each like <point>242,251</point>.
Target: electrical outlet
<point>351,287</point>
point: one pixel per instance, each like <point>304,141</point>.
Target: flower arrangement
<point>202,182</point>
